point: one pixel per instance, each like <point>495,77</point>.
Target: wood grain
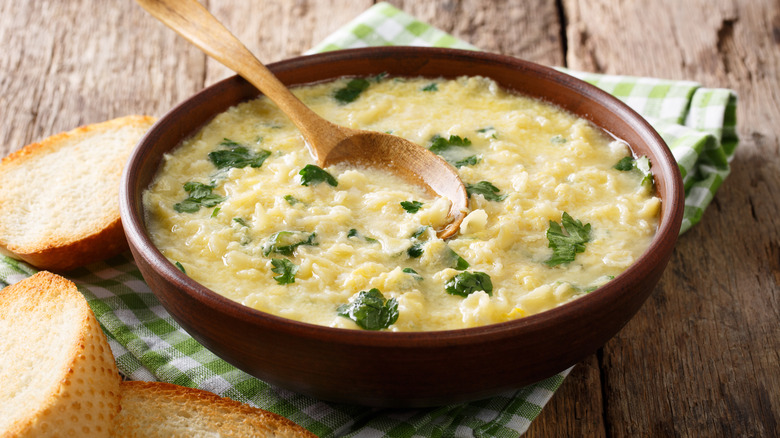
<point>68,68</point>
<point>279,29</point>
<point>700,359</point>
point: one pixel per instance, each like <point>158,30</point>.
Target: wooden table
<point>700,358</point>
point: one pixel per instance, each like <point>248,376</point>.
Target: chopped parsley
<point>414,251</point>
<point>285,242</point>
<point>641,164</point>
<point>411,206</point>
<point>558,139</point>
<point>468,161</point>
<point>486,189</point>
<point>181,268</point>
<point>431,87</point>
<point>199,196</point>
<point>466,283</point>
<point>240,221</point>
<point>458,262</point>
<point>413,273</point>
<point>625,164</point>
<point>228,143</point>
<point>370,310</point>
<point>313,175</point>
<point>292,200</point>
<point>454,149</point>
<point>566,245</point>
<point>440,144</point>
<point>237,155</point>
<point>286,270</point>
<point>351,91</point>
<point>420,231</point>
<point>354,233</point>
<point>491,131</point>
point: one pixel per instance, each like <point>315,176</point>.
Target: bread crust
<point>72,394</point>
<point>101,236</point>
<point>159,409</point>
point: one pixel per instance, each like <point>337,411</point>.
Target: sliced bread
<point>57,374</point>
<point>60,197</point>
<point>164,410</point>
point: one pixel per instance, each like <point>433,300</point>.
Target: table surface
<point>701,356</point>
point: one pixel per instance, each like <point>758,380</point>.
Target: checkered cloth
<point>698,124</point>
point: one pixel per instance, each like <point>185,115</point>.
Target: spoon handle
<point>196,24</point>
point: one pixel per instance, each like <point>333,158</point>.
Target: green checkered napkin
<point>698,124</point>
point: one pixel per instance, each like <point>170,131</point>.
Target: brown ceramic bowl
<point>404,369</point>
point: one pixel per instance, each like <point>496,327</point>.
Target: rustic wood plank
<point>66,68</point>
<point>701,357</point>
<point>278,29</point>
<point>576,408</point>
<point>530,29</point>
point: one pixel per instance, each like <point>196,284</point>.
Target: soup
<point>557,208</point>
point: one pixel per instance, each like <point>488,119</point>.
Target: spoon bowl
<point>327,142</point>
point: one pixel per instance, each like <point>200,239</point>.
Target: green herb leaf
<point>420,231</point>
<point>411,206</point>
<point>292,200</point>
<point>641,164</point>
<point>312,175</point>
<point>413,273</point>
<point>558,139</point>
<point>489,130</point>
<point>179,265</point>
<point>286,270</point>
<point>468,161</point>
<point>431,87</point>
<point>199,196</point>
<point>354,233</point>
<point>241,221</point>
<point>215,212</point>
<point>415,250</point>
<point>352,90</point>
<point>370,310</point>
<point>458,262</point>
<point>440,144</point>
<point>466,283</point>
<point>229,143</point>
<point>237,155</point>
<point>625,164</point>
<point>285,242</point>
<point>566,244</point>
<point>486,189</point>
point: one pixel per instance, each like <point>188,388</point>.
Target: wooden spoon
<point>327,142</point>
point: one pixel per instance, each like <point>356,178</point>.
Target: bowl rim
<point>664,239</point>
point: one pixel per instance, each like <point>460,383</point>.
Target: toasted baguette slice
<point>57,374</point>
<point>164,410</point>
<point>60,197</point>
